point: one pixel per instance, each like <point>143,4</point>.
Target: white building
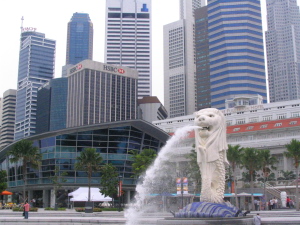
<point>8,114</point>
<point>151,109</point>
<point>267,126</point>
<point>128,39</point>
<point>283,49</point>
<point>179,61</point>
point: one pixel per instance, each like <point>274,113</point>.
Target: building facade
<point>36,67</point>
<point>202,59</point>
<point>114,141</point>
<point>1,107</point>
<point>99,93</point>
<point>52,106</point>
<point>128,39</point>
<point>8,118</point>
<point>283,49</point>
<point>265,126</point>
<point>79,39</point>
<point>236,50</point>
<point>179,61</point>
<point>151,109</point>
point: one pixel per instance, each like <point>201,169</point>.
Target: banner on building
<point>182,185</point>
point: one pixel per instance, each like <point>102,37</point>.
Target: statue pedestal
<point>208,210</point>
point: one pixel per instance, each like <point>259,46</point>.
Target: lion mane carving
<point>211,147</point>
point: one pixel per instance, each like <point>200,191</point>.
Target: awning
<point>6,193</point>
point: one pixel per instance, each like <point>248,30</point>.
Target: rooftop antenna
<point>22,19</point>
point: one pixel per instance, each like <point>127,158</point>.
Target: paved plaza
<point>71,217</point>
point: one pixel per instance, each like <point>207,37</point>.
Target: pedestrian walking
<point>257,219</point>
<point>26,210</point>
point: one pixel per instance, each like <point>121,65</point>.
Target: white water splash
<point>135,211</point>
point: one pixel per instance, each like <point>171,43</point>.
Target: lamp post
<point>181,192</point>
<point>180,175</point>
<point>119,192</point>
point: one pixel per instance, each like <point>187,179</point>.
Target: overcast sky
<point>51,17</point>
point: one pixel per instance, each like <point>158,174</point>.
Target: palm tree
<point>267,161</point>
<point>25,152</point>
<point>234,154</point>
<point>142,161</point>
<point>293,151</point>
<point>89,161</point>
<point>251,161</point>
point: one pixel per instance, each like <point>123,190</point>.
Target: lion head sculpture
<point>211,133</point>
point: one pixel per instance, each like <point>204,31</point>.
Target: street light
<point>119,192</point>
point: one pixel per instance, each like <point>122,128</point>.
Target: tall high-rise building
<point>36,67</point>
<point>100,93</point>
<point>8,118</point>
<point>203,99</point>
<point>80,38</point>
<point>236,50</point>
<point>128,39</point>
<point>179,61</point>
<point>1,105</point>
<point>283,49</point>
<point>52,105</point>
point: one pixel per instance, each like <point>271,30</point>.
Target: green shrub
<point>79,209</point>
<point>58,209</point>
<point>83,209</point>
<point>111,209</point>
<point>33,209</point>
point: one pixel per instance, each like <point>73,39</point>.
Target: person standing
<point>256,204</point>
<point>26,210</point>
<point>288,200</point>
<point>257,219</point>
<point>275,203</point>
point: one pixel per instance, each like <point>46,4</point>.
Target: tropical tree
<point>57,180</point>
<point>89,161</point>
<point>234,154</point>
<point>293,151</point>
<point>287,175</point>
<point>109,180</point>
<point>194,170</point>
<point>3,180</point>
<point>28,154</point>
<point>267,163</point>
<point>251,162</point>
<point>141,161</point>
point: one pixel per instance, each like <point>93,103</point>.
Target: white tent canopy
<point>81,195</point>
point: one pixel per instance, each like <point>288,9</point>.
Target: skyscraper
<point>100,93</point>
<point>236,50</point>
<point>52,105</point>
<point>202,59</point>
<point>128,39</point>
<point>179,61</point>
<point>8,118</point>
<point>283,49</point>
<point>36,67</point>
<point>80,38</point>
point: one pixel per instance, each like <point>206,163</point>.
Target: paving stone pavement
<point>71,217</point>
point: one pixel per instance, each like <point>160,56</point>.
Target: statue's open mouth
<point>204,128</point>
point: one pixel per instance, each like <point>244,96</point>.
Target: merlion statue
<point>211,147</point>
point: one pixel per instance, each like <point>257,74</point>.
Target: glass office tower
<point>236,50</point>
<point>36,67</point>
<point>283,50</point>
<point>80,38</point>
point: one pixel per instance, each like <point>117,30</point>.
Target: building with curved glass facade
<point>114,141</point>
